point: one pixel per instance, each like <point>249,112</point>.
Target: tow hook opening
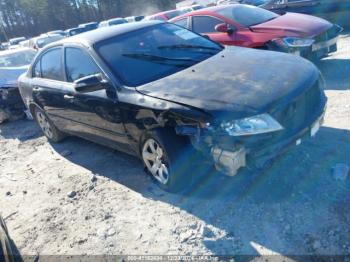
<point>229,162</point>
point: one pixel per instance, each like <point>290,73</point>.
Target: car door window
<point>182,22</point>
<point>205,24</point>
<point>79,64</point>
<point>51,65</point>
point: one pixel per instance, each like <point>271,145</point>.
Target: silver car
<point>13,63</point>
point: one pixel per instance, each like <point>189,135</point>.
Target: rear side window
<point>182,22</point>
<point>51,65</point>
<point>79,64</point>
<point>247,15</point>
<point>205,24</point>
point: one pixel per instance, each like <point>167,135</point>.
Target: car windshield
<point>247,15</point>
<point>17,59</point>
<point>154,52</point>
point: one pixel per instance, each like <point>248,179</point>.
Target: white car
<point>13,63</point>
<point>111,22</point>
<point>191,8</point>
<point>43,40</point>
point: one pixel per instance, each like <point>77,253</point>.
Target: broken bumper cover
<point>10,98</point>
<point>11,104</point>
<point>230,161</point>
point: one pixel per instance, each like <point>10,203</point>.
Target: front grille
<point>331,33</point>
<point>296,114</point>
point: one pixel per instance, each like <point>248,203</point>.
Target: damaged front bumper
<point>230,162</point>
<point>11,104</point>
<point>230,153</point>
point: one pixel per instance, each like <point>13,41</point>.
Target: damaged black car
<point>13,63</point>
<point>167,95</point>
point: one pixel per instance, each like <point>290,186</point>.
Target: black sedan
<point>167,95</point>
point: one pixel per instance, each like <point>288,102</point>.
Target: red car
<point>249,26</point>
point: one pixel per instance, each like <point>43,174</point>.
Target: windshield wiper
<point>184,46</point>
<point>155,58</point>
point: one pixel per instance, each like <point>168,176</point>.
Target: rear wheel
<point>48,128</point>
<point>162,153</point>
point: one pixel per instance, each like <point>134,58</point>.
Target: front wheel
<point>163,155</point>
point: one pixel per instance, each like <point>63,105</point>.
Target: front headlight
<point>298,42</point>
<point>258,124</point>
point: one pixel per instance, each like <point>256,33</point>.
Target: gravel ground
<point>80,198</point>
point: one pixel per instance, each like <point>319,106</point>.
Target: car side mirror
<point>224,28</point>
<point>90,84</point>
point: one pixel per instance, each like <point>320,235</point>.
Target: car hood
<point>9,75</point>
<point>237,80</point>
<point>293,24</point>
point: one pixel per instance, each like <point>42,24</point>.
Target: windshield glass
<point>247,15</point>
<point>154,52</point>
<point>17,59</point>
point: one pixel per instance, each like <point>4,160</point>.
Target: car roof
<point>87,24</point>
<point>92,37</point>
<point>115,19</point>
<point>17,38</point>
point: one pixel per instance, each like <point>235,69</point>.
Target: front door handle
<point>68,97</point>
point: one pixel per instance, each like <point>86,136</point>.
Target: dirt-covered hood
<point>239,80</point>
<point>293,24</point>
<point>9,75</point>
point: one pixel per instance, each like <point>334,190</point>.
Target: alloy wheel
<point>44,124</point>
<point>154,158</point>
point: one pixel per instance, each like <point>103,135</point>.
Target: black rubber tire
<point>57,135</point>
<point>176,151</point>
<point>6,254</point>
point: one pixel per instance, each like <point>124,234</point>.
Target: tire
<point>49,129</point>
<point>167,162</point>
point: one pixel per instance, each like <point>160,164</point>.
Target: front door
<point>97,113</point>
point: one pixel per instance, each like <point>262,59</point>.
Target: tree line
<point>33,17</point>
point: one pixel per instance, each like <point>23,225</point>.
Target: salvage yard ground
<point>295,207</point>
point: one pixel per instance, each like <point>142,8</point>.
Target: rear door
<point>48,86</point>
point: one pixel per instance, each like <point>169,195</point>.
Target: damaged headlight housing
<point>295,42</point>
<point>253,125</point>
